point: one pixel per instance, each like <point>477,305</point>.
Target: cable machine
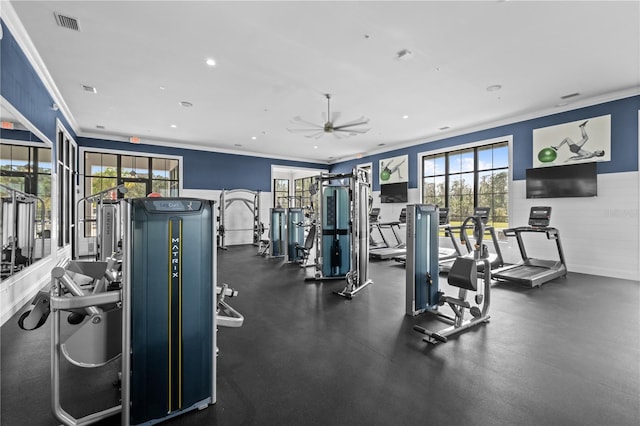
<point>18,214</point>
<point>342,235</point>
<point>227,198</point>
<point>108,220</point>
<point>155,305</point>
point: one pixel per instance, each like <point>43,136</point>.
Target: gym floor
<point>567,353</point>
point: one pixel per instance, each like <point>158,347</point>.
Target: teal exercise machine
<point>155,305</point>
<point>342,235</point>
<point>463,276</point>
<point>295,234</point>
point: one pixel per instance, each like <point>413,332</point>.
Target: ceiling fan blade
<point>304,130</point>
<point>351,130</point>
<point>358,122</point>
<point>299,120</point>
<point>316,135</point>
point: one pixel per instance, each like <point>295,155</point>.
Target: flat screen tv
<point>393,192</point>
<point>574,180</point>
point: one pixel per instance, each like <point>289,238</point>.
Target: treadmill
<point>529,271</point>
<point>391,252</point>
<point>495,258</point>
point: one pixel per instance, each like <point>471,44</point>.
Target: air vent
<point>572,95</point>
<point>67,22</point>
<point>89,89</point>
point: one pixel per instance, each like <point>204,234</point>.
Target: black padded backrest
<point>403,215</point>
<point>308,242</point>
<point>464,274</point>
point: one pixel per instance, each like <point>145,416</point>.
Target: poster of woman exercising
<point>579,141</point>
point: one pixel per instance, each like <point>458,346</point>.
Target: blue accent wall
<point>18,135</point>
<point>21,86</point>
<point>624,141</point>
<point>211,170</point>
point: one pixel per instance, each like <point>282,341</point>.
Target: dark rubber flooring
<point>567,353</point>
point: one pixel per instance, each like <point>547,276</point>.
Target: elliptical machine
<point>464,276</point>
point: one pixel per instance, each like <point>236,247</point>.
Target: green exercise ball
<point>547,155</point>
<point>385,175</point>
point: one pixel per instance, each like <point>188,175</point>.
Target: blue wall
<point>211,170</point>
<point>21,86</point>
<point>624,141</point>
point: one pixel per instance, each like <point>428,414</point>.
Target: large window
<point>140,176</point>
<point>281,193</point>
<point>28,169</point>
<point>67,172</point>
<point>464,179</point>
<point>301,190</point>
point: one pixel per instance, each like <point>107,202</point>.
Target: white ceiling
<point>275,60</point>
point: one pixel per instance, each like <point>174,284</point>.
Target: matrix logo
<point>175,257</point>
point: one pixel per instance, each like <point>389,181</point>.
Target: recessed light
<point>494,87</point>
<point>404,117</point>
<point>253,138</point>
<point>315,147</point>
<point>161,87</point>
<point>173,126</point>
<point>211,62</point>
<point>185,104</point>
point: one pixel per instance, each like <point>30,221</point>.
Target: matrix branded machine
<point>530,271</point>
<point>158,307</point>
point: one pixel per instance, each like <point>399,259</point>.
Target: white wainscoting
<point>599,234</point>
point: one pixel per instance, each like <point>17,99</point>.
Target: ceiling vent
<point>89,89</point>
<point>67,22</point>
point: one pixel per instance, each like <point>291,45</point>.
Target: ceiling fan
<point>339,131</point>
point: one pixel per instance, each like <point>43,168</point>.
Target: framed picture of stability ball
<point>580,141</point>
<point>394,170</point>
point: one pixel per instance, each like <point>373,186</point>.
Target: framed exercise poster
<point>580,141</point>
<point>394,170</point>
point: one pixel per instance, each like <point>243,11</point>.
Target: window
<point>67,171</point>
<point>301,190</point>
<point>281,193</point>
<point>464,179</point>
<point>140,175</point>
<point>28,169</point>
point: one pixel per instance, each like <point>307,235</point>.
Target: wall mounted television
<point>574,180</point>
<point>393,192</point>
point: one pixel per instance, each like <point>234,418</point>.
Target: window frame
<point>508,139</point>
<point>276,197</point>
<point>82,185</point>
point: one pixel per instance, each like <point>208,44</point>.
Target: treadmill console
<point>539,217</point>
<point>483,212</point>
<point>443,216</point>
<point>374,215</point>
